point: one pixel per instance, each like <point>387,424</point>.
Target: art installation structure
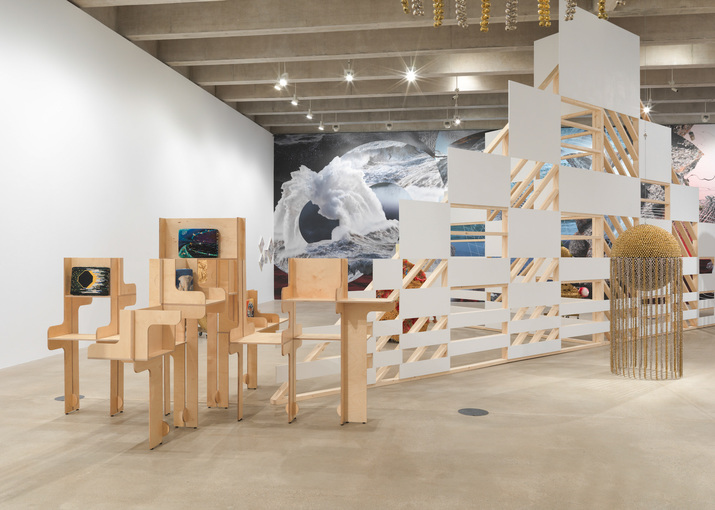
<point>575,150</point>
<point>646,304</point>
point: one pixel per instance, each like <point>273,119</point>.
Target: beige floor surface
<point>561,432</point>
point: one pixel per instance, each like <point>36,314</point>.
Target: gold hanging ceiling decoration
<point>544,13</point>
<point>405,6</point>
<point>486,10</point>
<point>602,9</point>
<point>570,10</point>
<point>511,14</point>
<point>461,12</point>
<point>418,8</point>
<point>646,304</point>
<point>438,12</point>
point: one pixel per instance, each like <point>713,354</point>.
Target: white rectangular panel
<point>691,265</point>
<point>361,294</point>
<point>706,303</point>
<point>534,294</point>
<point>654,148</point>
<point>387,358</point>
<point>690,296</point>
<point>465,271</point>
<point>588,70</point>
<point>575,306</point>
<point>424,302</point>
<point>309,369</point>
<point>371,344</point>
<point>684,203</point>
<point>584,269</point>
<point>584,328</point>
<point>371,376</point>
<point>538,324</point>
<point>489,137</point>
<point>387,274</point>
<point>493,244</point>
<point>477,178</point>
<point>475,295</point>
<point>534,124</point>
<point>706,239</point>
<point>424,338</point>
<point>546,57</point>
<point>387,328</point>
<point>424,230</point>
<point>521,351</point>
<point>478,344</point>
<point>666,225</point>
<point>467,215</point>
<point>478,318</point>
<point>706,321</point>
<point>610,194</point>
<point>690,314</point>
<point>426,367</point>
<point>706,282</point>
<point>534,233</point>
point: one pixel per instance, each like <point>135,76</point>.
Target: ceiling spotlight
<point>349,75</point>
<point>336,127</point>
<point>411,75</point>
<point>283,80</point>
<point>294,101</point>
<point>277,86</point>
<point>705,117</point>
<point>389,126</point>
<point>321,126</point>
<point>456,121</point>
<point>309,115</point>
<point>648,107</point>
<point>447,124</point>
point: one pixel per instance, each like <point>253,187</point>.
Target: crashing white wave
<point>340,192</point>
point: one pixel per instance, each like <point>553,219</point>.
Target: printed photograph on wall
<point>337,194</point>
<point>694,162</point>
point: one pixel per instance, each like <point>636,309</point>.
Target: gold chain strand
<point>602,9</point>
<point>570,10</point>
<point>438,6</point>
<point>461,11</point>
<point>486,10</point>
<point>418,8</point>
<point>512,7</point>
<point>544,13</point>
<point>405,6</point>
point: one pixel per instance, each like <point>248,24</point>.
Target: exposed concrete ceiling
<point>237,49</point>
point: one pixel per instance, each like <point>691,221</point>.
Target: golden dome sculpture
<point>646,304</point>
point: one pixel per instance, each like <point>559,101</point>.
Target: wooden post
<point>158,428</point>
<point>116,384</point>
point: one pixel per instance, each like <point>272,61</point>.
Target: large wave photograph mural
<point>338,194</point>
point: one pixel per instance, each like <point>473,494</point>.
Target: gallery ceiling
<point>238,49</point>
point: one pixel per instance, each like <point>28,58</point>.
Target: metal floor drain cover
<point>62,398</point>
<point>471,411</point>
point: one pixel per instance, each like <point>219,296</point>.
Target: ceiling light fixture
<point>456,120</point>
<point>336,126</point>
<point>411,75</point>
<point>282,81</point>
<point>388,124</point>
<point>349,74</point>
<point>321,126</point>
<point>295,101</point>
<point>671,83</point>
<point>309,115</point>
<point>706,116</point>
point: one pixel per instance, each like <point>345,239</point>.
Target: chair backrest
<point>317,279</point>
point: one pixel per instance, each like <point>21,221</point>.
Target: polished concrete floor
<point>561,432</point>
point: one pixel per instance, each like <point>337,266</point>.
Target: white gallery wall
<point>98,140</point>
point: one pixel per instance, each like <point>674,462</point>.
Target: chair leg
<point>158,428</point>
<point>292,407</point>
<point>167,384</point>
<point>116,385</point>
<point>239,355</point>
<point>252,366</point>
<point>179,384</point>
<point>71,358</point>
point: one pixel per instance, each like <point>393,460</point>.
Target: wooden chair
<point>66,336</point>
<point>308,280</point>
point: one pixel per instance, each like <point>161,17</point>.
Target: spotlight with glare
<point>389,126</point>
<point>309,115</point>
<point>321,126</point>
<point>648,107</point>
<point>447,124</point>
<point>456,121</point>
<point>349,75</point>
<point>283,80</point>
<point>294,101</point>
<point>411,75</point>
<point>277,86</point>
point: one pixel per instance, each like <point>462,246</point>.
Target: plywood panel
<point>654,152</point>
<point>599,63</point>
<point>466,215</point>
<point>476,178</point>
<point>465,271</point>
<point>534,233</point>
<point>684,203</point>
<point>584,328</point>
<point>387,358</point>
<point>523,295</point>
<point>478,344</point>
<point>666,225</point>
<point>690,314</point>
<point>387,274</point>
<point>584,269</point>
<point>534,124</point>
<point>387,328</point>
<point>610,194</point>
<point>546,57</point>
<point>538,324</point>
<point>575,306</point>
<point>424,302</point>
<point>424,230</point>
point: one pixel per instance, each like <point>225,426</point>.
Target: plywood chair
<point>66,336</point>
<point>308,280</point>
<point>145,337</point>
